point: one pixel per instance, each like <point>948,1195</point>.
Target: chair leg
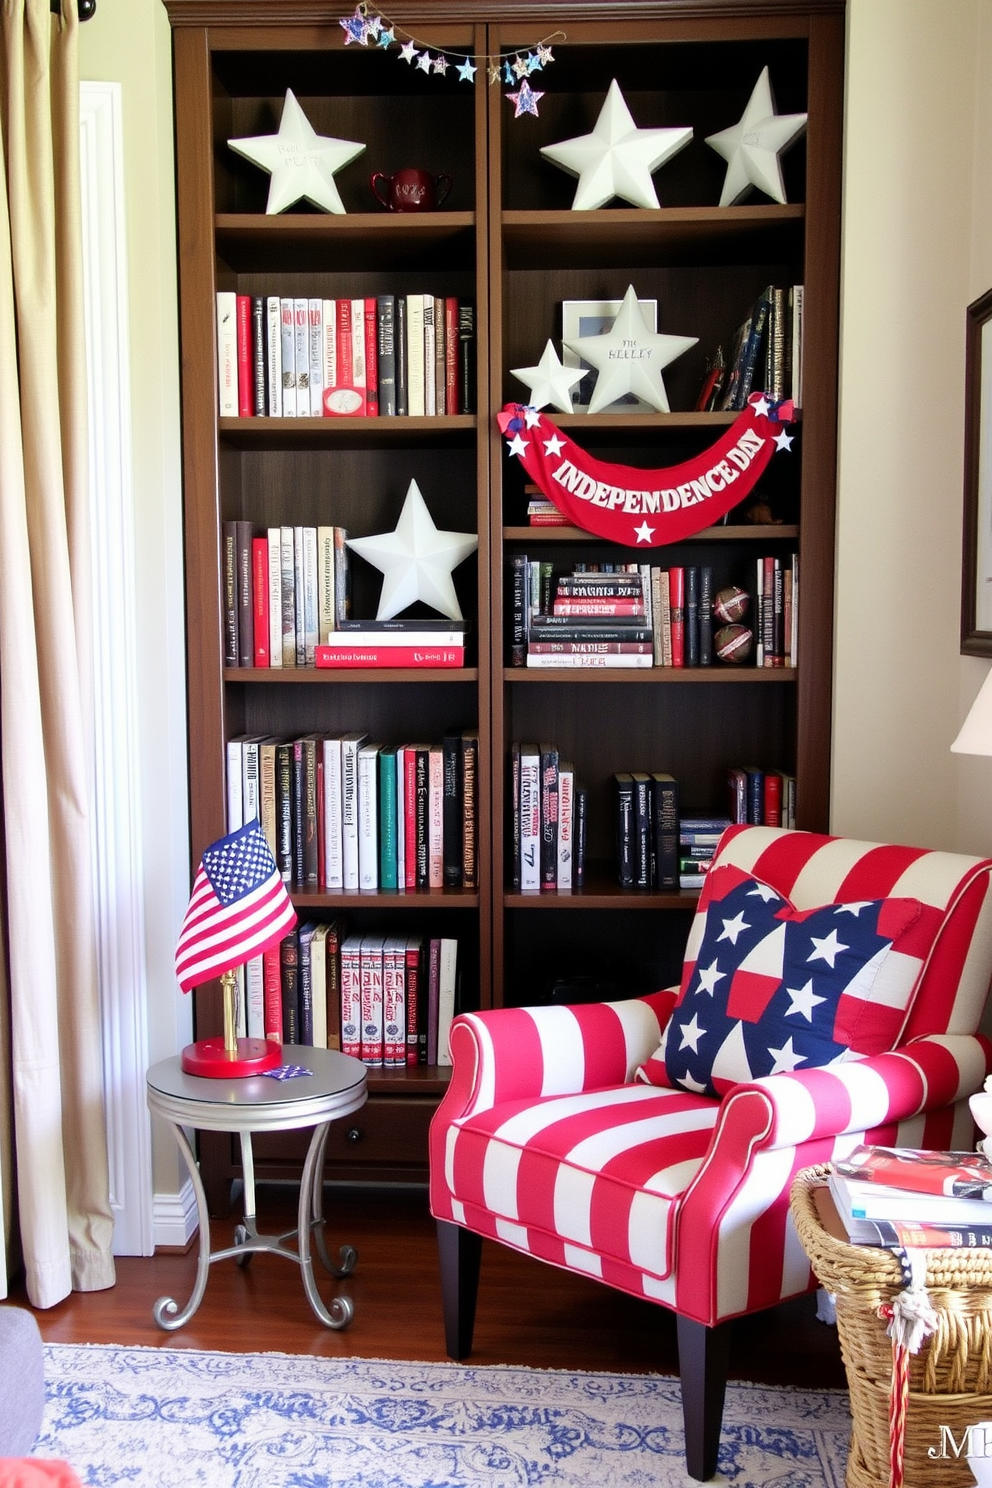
<point>460,1251</point>
<point>703,1357</point>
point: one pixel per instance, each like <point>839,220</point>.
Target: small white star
<point>783,441</point>
<point>691,1034</point>
<point>517,445</point>
<point>828,948</point>
<point>786,1059</point>
<point>853,907</point>
<point>408,51</point>
<point>644,533</point>
<point>424,61</point>
<point>520,66</point>
<point>709,976</point>
<point>733,928</point>
<point>761,406</point>
<point>554,445</point>
<point>688,1083</point>
<point>532,419</point>
<point>762,891</point>
<point>549,382</point>
<point>544,55</point>
<point>441,65</point>
<point>752,146</point>
<point>804,1000</point>
<point>466,71</point>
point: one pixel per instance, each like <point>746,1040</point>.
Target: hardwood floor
<point>529,1313</point>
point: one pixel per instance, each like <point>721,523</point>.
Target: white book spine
<point>325,583</point>
<point>235,785</point>
<point>794,631</point>
<point>288,348</point>
<point>530,821</point>
<point>249,782</point>
<point>368,817</point>
<point>227,353</point>
<point>349,811</point>
<point>415,355</point>
<point>288,588</point>
<point>566,791</point>
<point>394,1002</point>
<point>310,602</point>
<point>299,639</point>
<point>333,862</point>
<point>371,989</point>
<point>430,345</point>
<point>254,998</point>
<point>273,354</point>
<point>318,985</point>
<point>301,330</point>
<point>275,596</point>
<point>447,968</point>
<point>435,819</point>
<point>798,295</point>
<point>241,1004</point>
<point>315,328</point>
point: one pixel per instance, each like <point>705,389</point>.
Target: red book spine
<point>772,808</point>
<point>390,656</point>
<point>451,354</point>
<point>371,359</point>
<point>676,605</point>
<point>393,1009</point>
<point>246,386</point>
<point>260,599</point>
<point>597,607</point>
<point>371,994</point>
<point>351,998</point>
<point>272,995</point>
<point>412,1002</point>
<point>410,818</point>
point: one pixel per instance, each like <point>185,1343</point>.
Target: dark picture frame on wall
<point>976,570</point>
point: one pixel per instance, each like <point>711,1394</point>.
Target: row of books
<point>285,590</point>
<point>386,1000</point>
<point>643,615</point>
<point>394,643</point>
<point>346,813</point>
<point>647,830</point>
<point>907,1196</point>
<point>698,839</point>
<point>761,798</point>
<point>766,354</point>
<point>548,818</point>
<point>295,357</point>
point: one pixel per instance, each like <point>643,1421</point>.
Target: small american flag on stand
<point>238,908</point>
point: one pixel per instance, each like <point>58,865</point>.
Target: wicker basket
<point>950,1378</point>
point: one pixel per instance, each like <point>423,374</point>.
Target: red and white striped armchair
<point>551,1141</point>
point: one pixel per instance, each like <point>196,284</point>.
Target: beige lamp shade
<point>976,731</point>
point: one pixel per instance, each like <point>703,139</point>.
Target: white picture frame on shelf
<point>595,318</point>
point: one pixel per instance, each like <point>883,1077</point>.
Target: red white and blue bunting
<point>648,508</point>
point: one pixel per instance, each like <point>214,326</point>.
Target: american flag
<point>238,908</point>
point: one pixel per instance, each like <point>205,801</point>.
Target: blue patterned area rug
<point>176,1418</point>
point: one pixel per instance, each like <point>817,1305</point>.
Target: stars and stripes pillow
<point>773,988</point>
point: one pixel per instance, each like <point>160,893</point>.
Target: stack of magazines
<point>903,1196</point>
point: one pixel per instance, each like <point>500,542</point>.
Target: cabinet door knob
<point>354,1134</point>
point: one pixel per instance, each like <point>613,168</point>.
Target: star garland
<point>370,27</point>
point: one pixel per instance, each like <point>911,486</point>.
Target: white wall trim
<point>117,844</point>
<point>176,1219</point>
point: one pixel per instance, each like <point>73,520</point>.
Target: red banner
<point>647,508</point>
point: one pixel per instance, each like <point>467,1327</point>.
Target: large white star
<point>301,163</point>
<point>416,559</point>
<point>804,1000</point>
<point>630,357</point>
<point>549,381</point>
<point>828,948</point>
<point>752,146</point>
<point>617,158</point>
<point>786,1059</point>
<point>691,1034</point>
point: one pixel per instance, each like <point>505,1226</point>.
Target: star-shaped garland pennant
<point>630,358</point>
<point>751,147</point>
<point>416,560</point>
<point>301,162</point>
<point>617,158</point>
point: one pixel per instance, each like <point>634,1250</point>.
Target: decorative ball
<point>733,643</point>
<point>731,604</point>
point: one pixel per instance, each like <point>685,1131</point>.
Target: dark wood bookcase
<point>507,239</point>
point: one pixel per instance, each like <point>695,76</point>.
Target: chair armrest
<point>517,1054</point>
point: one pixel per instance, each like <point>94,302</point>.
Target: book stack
<point>698,837</point>
<point>541,510</point>
<point>762,798</point>
<point>290,357</point>
<point>596,620</point>
<point>394,643</point>
<point>647,830</point>
<point>905,1196</point>
<point>776,611</point>
<point>342,812</point>
<point>766,353</point>
<point>284,590</point>
<point>548,816</point>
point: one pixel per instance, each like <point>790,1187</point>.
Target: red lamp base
<point>211,1058</point>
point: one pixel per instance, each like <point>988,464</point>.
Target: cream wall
<point>917,248</point>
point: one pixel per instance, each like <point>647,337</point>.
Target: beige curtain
<point>57,1167</point>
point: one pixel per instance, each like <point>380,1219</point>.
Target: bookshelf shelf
<point>737,533</point>
<point>716,676</point>
<point>452,431</point>
<point>622,237</point>
<point>329,676</point>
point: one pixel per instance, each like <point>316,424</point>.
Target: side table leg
<point>166,1311</point>
<point>348,1254</point>
<point>342,1308</point>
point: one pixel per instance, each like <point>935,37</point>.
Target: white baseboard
<point>174,1220</point>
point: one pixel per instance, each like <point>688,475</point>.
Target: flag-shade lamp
<point>976,731</point>
<point>239,908</point>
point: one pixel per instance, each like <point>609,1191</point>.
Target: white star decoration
<point>804,1000</point>
<point>549,381</point>
<point>630,357</point>
<point>644,533</point>
<point>752,146</point>
<point>827,948</point>
<point>786,1059</point>
<point>708,978</point>
<point>617,159</point>
<point>733,928</point>
<point>691,1034</point>
<point>416,560</point>
<point>301,163</point>
<point>554,445</point>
